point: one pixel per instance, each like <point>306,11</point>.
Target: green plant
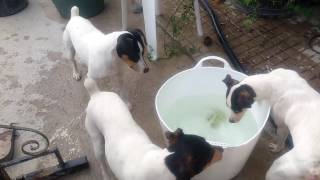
<point>248,22</point>
<point>181,19</point>
<point>171,49</point>
<point>304,9</point>
<point>249,2</point>
<point>301,7</point>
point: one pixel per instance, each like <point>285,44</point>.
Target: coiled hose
<point>222,38</point>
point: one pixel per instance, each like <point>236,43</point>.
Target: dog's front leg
<point>98,143</point>
<point>124,92</point>
<point>282,135</point>
<point>75,72</point>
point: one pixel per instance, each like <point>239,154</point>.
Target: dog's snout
<point>218,148</point>
<point>146,70</point>
<point>232,120</point>
<point>217,156</point>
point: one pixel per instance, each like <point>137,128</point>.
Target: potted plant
<point>10,7</point>
<point>87,8</point>
<point>264,8</point>
<point>276,8</point>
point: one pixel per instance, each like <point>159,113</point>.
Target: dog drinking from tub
<point>118,140</point>
<point>103,54</point>
<point>295,109</point>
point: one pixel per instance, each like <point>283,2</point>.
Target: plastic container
<point>10,7</point>
<point>88,8</point>
<point>207,80</point>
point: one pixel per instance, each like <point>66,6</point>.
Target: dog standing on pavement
<point>103,54</point>
<point>295,109</point>
<point>118,140</point>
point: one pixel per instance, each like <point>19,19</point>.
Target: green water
<point>207,116</point>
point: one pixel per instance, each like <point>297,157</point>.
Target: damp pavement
<point>37,89</point>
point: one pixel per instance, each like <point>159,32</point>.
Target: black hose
<point>222,39</point>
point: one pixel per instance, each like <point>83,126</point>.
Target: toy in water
<point>216,118</point>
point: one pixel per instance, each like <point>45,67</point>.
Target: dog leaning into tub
<point>295,109</point>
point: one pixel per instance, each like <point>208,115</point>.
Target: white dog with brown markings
<point>295,109</point>
<point>103,54</point>
<point>118,140</point>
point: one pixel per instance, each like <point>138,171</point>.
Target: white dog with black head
<point>103,54</point>
<point>295,109</point>
<point>118,140</point>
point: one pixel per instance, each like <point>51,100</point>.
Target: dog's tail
<point>74,11</point>
<point>91,86</point>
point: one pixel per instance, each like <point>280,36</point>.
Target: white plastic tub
<point>208,80</point>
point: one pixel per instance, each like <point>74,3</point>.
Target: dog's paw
<point>274,148</point>
<point>76,76</point>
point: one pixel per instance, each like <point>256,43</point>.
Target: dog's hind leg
<point>98,143</point>
<point>286,167</point>
<point>282,132</point>
<point>71,55</point>
<point>282,135</point>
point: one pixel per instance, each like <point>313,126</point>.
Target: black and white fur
<point>118,140</point>
<point>103,54</point>
<point>295,109</point>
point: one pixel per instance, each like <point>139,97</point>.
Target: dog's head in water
<point>190,154</point>
<point>240,97</point>
<point>131,48</point>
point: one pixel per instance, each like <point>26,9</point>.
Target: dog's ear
<point>139,35</point>
<point>244,96</point>
<point>229,82</point>
<point>126,45</point>
<point>173,138</point>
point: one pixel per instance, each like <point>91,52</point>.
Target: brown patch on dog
<point>245,98</point>
<point>217,156</point>
<point>126,60</point>
<point>242,97</point>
